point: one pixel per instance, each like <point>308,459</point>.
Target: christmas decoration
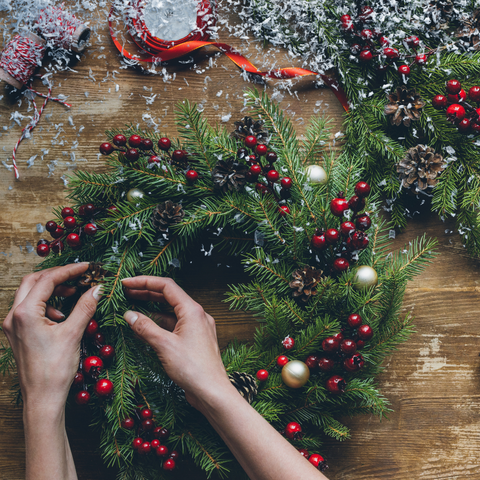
<point>295,374</point>
<point>95,275</point>
<point>166,215</point>
<point>316,174</point>
<point>249,127</point>
<point>405,106</point>
<point>305,282</point>
<point>365,277</point>
<point>229,175</point>
<point>245,384</point>
<point>134,195</point>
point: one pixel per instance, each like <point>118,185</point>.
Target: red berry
<point>273,176</point>
<point>319,242</point>
<point>439,102</point>
<point>475,129</point>
<point>174,455</point>
<point>359,240</point>
<point>128,423</point>
<point>146,144</point>
<point>365,332</point>
<point>340,264</point>
<point>155,159</point>
<point>332,236</point>
<point>354,320</point>
<point>330,345</point>
<point>82,397</point>
<point>338,206</point>
<point>162,451</point>
<point>354,363</point>
<point>453,87</point>
<point>360,344</point>
<point>366,34</point>
<point>362,189</point>
<point>421,59</point>
<point>145,448</point>
<point>250,141</point>
<point>282,360</point>
<point>366,56</point>
<point>366,11</point>
<point>283,210</point>
<point>325,364</point>
<point>384,41</point>
<point>316,460</point>
<point>70,222</point>
<point>356,48</point>
<point>312,362</point>
<point>107,352</point>
<point>286,183</point>
<point>57,246</point>
<point>104,388</point>
<point>43,241</point>
<point>356,203</point>
<point>455,113</point>
<point>78,380</point>
<point>73,240</point>
<point>345,18</point>
<point>93,365</point>
<point>137,442</point>
<point>191,176</point>
<point>391,53</point>
<point>347,228</point>
<point>303,452</point>
<point>474,94</point>
<point>155,443</point>
<point>348,26</point>
<point>261,150</point>
<point>134,141</point>
<point>169,464</point>
<point>90,229</point>
<point>164,144</point>
<point>120,140</point>
<point>348,347</point>
<point>179,156</point>
<point>256,170</point>
<point>146,413</point>
<point>262,375</point>
<point>148,424</point>
<point>89,209</point>
<point>92,328</point>
<point>67,212</point>
<point>412,41</point>
<point>43,250</point>
<point>58,232</point>
<point>161,432</point>
<point>132,154</point>
<point>271,157</point>
<point>464,126</point>
<point>293,430</point>
<point>404,70</point>
<point>336,384</point>
<point>106,148</point>
<point>338,336</point>
<point>363,222</point>
<point>50,226</point>
<point>288,343</point>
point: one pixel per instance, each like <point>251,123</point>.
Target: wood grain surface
<point>432,381</point>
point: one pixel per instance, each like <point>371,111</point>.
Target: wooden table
<point>432,381</point>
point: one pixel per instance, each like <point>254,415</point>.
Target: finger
<point>146,329</point>
<point>53,314</point>
<point>145,295</point>
<point>84,311</point>
<point>64,291</point>
<point>167,321</point>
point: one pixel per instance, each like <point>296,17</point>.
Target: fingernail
<point>58,312</point>
<point>127,278</point>
<point>97,293</point>
<point>130,317</point>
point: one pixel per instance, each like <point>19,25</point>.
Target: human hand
<point>186,343</point>
<point>46,352</point>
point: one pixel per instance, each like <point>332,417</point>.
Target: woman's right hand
<point>186,343</point>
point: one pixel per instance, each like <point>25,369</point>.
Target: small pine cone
<point>228,175</point>
<point>305,282</point>
<point>405,106</point>
<point>167,214</point>
<point>440,13</point>
<point>245,384</point>
<point>94,276</point>
<point>420,168</point>
<point>469,33</point>
<point>247,126</point>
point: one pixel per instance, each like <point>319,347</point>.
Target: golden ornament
<point>365,277</point>
<point>134,195</point>
<point>295,374</point>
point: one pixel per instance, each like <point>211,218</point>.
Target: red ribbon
<point>156,50</point>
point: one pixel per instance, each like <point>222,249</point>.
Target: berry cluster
<point>370,43</point>
<point>350,237</point>
<point>293,431</point>
<point>457,109</point>
<point>261,163</point>
<point>136,147</point>
<point>71,230</point>
<point>91,367</point>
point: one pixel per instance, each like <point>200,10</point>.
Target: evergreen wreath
<point>376,48</point>
<point>142,215</point>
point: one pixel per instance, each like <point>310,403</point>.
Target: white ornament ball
<point>134,195</point>
<point>316,174</point>
<point>295,374</point>
<point>365,277</point>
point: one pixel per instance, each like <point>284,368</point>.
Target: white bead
<point>316,174</point>
<point>134,195</point>
<point>365,277</point>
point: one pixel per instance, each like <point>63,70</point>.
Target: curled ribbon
<point>155,50</point>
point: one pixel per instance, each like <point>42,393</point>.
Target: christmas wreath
<point>325,291</point>
<point>410,71</point>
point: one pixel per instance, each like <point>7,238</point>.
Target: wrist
<point>214,400</point>
<point>42,408</point>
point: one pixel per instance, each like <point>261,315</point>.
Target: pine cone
<point>94,276</point>
<point>420,168</point>
<point>245,384</point>
<point>440,12</point>
<point>167,214</point>
<point>469,32</point>
<point>228,175</point>
<point>247,126</point>
<point>405,106</point>
<point>305,282</point>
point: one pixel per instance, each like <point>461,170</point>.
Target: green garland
<point>128,244</point>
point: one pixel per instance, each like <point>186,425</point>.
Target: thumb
<point>146,329</point>
<point>84,310</point>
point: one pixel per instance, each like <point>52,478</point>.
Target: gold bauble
<point>134,195</point>
<point>316,174</point>
<point>295,374</point>
<point>365,277</point>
